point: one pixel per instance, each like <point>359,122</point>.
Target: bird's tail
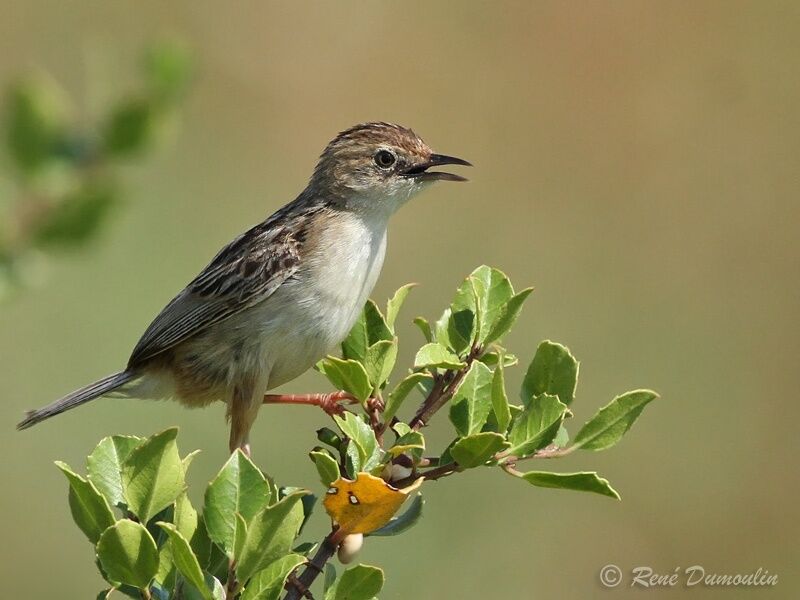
<point>76,398</point>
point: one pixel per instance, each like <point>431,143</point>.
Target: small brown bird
<point>283,294</point>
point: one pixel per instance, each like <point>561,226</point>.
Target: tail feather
<point>76,398</point>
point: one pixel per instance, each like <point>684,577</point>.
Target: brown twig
<point>511,470</point>
<point>431,475</point>
<point>297,588</point>
<point>374,407</point>
<point>551,451</point>
<point>433,400</point>
<point>232,584</point>
<point>443,389</point>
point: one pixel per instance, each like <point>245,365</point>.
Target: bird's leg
<point>327,402</point>
<point>242,413</point>
<point>239,439</point>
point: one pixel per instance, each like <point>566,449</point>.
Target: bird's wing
<point>244,273</point>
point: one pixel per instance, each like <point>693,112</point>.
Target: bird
<point>283,294</point>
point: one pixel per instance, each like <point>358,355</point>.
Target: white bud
<point>349,547</point>
<point>400,472</point>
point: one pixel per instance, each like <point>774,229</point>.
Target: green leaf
<point>458,324</point>
<point>493,291</point>
<point>166,574</point>
<point>376,326</point>
<point>201,543</point>
<point>168,65</point>
<point>362,435</point>
<point>104,465</point>
<point>477,449</point>
<point>562,437</point>
<point>89,508</point>
<point>185,560</point>
<point>436,356</point>
<point>608,426</point>
<point>270,535</point>
<point>410,441</point>
<point>405,521</point>
<point>537,425</point>
<point>306,548</point>
<point>131,127</point>
<point>379,362</point>
<point>480,312</point>
<point>161,592</point>
<point>582,482</point>
<point>395,302</point>
<point>268,583</point>
<point>425,327</point>
<point>502,413</point>
<point>77,217</point>
<point>553,371</point>
<point>152,475</point>
<point>239,488</point>
<point>128,554</point>
<point>35,122</point>
<point>361,582</point>
<point>217,563</point>
<point>370,328</point>
<point>239,535</point>
<point>352,459</point>
<point>446,458</point>
<point>185,516</point>
<point>441,335</point>
<point>347,375</point>
<point>506,317</point>
<point>190,592</point>
<point>472,401</point>
<point>327,467</point>
<point>330,578</point>
<point>329,437</point>
<point>400,393</point>
<point>476,307</point>
<point>189,459</point>
<point>401,428</point>
<point>494,359</point>
<point>425,385</point>
<point>309,501</point>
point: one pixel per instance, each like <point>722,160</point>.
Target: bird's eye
<point>384,159</point>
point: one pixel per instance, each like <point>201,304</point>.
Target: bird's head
<point>379,166</point>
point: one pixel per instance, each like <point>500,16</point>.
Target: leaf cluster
<point>462,364</point>
<point>150,542</point>
<point>66,173</point>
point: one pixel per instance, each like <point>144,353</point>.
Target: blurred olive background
<point>636,161</point>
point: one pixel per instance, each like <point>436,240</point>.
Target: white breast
<point>308,317</point>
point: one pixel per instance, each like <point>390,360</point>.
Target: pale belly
<point>319,307</point>
<point>272,343</point>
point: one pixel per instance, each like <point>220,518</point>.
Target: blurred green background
<point>636,161</point>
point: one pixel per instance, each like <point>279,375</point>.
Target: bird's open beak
<point>420,170</point>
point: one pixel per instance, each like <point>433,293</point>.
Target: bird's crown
<point>379,160</point>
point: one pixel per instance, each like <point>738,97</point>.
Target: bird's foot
<point>330,403</point>
<point>246,449</point>
<point>375,404</point>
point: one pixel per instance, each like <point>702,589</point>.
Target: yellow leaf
<point>366,504</point>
